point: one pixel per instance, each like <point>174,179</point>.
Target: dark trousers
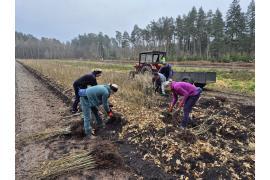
<point>158,86</point>
<point>97,116</point>
<point>190,102</point>
<point>77,98</point>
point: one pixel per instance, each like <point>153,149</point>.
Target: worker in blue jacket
<point>82,83</point>
<point>90,99</point>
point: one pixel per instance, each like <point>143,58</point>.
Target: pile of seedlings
<point>41,136</point>
<point>101,155</point>
<point>72,128</point>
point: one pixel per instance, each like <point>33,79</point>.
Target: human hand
<point>181,104</point>
<point>170,108</point>
<point>110,114</point>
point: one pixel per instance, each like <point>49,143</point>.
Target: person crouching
<point>90,99</point>
<point>82,83</point>
<point>190,95</point>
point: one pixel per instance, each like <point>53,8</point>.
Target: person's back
<point>97,94</point>
<point>85,80</point>
<point>91,98</point>
<point>162,77</point>
<point>82,83</point>
<point>184,88</point>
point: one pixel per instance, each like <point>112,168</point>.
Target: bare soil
<point>230,97</point>
<point>229,120</point>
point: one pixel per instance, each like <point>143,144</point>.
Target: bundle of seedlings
<point>102,155</point>
<point>106,155</point>
<point>75,128</point>
<point>47,134</point>
<point>52,168</point>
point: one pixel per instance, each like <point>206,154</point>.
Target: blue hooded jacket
<point>97,95</point>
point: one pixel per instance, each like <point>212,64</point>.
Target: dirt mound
<point>186,136</point>
<point>106,155</point>
<point>210,102</point>
<point>76,128</point>
<point>171,118</point>
<point>216,173</point>
<point>116,122</point>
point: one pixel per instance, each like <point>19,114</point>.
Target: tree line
<point>198,35</point>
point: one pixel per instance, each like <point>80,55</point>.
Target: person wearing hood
<point>190,95</point>
<point>82,83</point>
<point>90,99</point>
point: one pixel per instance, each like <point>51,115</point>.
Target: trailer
<point>150,62</point>
<point>199,79</point>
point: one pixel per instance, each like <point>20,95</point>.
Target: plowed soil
<point>218,145</point>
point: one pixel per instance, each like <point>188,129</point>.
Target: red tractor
<point>149,62</point>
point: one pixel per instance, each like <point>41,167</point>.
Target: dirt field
<point>37,109</point>
<point>231,97</point>
<point>219,145</point>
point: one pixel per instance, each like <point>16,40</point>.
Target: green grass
<point>238,81</point>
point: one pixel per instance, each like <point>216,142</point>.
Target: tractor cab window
<point>143,58</point>
<point>148,58</point>
<point>155,58</point>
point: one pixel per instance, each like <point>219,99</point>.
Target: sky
<point>66,19</point>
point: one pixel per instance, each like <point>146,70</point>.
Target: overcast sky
<point>66,19</point>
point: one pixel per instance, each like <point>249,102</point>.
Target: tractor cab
<point>150,61</point>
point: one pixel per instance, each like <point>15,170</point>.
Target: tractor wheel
<point>146,70</point>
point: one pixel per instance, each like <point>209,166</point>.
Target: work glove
<point>170,108</point>
<point>110,114</point>
<point>181,104</point>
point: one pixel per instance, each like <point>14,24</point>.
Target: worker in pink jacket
<point>190,95</point>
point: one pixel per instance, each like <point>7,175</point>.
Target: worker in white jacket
<point>158,83</point>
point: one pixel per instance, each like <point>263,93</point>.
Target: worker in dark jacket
<point>167,71</point>
<point>82,83</point>
<point>90,99</point>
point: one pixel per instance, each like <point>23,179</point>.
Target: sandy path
<point>36,109</point>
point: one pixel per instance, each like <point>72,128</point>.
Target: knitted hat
<point>114,87</point>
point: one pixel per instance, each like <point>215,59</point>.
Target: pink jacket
<point>183,89</point>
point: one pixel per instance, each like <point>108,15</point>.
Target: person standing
<point>82,83</point>
<point>90,99</point>
<point>190,95</point>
